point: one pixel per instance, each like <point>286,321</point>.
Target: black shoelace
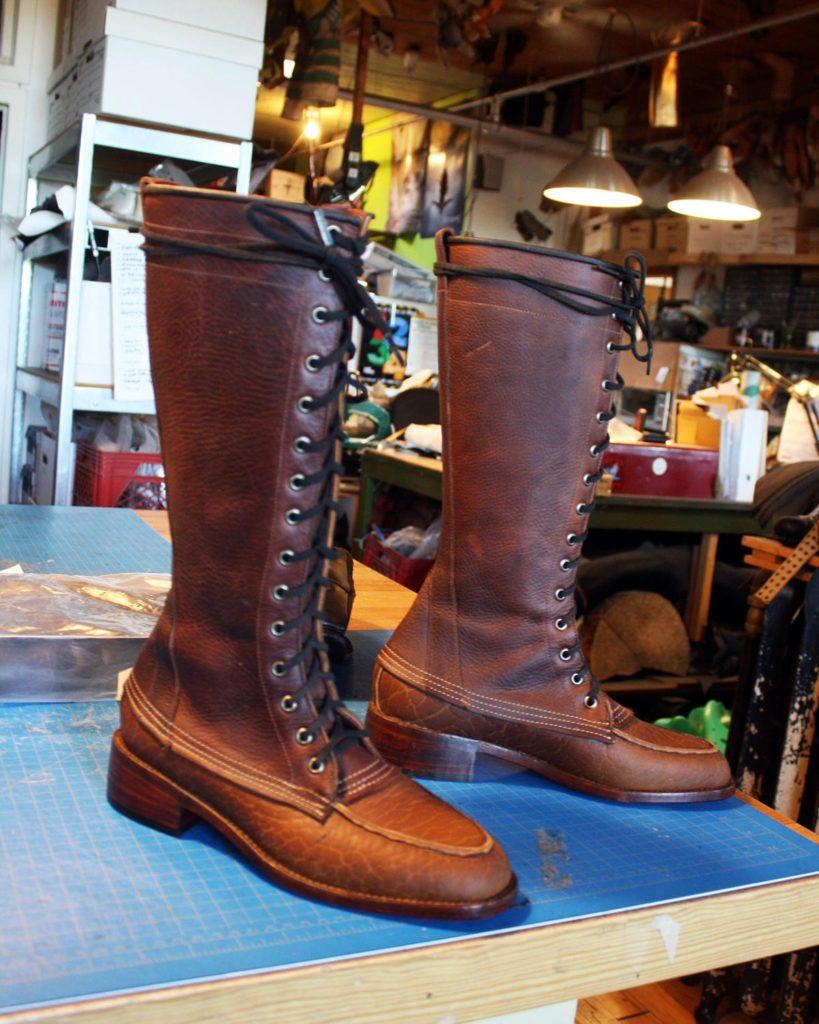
<point>630,311</point>
<point>338,259</point>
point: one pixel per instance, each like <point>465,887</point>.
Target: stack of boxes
<point>787,230</point>
<point>189,64</point>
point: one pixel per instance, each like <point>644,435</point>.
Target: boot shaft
<point>526,380</point>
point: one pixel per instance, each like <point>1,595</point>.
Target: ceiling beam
<point>761,24</point>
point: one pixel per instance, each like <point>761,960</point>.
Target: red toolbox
<point>410,572</point>
<point>662,470</point>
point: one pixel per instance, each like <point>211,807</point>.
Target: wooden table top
<point>380,603</point>
<point>482,977</point>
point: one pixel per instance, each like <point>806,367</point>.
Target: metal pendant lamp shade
<point>717,192</point>
<point>595,178</point>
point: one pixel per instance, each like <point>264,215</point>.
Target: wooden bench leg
<point>698,604</point>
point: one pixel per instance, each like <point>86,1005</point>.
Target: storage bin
<point>598,234</point>
<point>410,572</point>
<point>671,233</point>
<point>119,479</point>
<point>637,234</point>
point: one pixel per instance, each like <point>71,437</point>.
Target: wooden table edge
<point>485,976</point>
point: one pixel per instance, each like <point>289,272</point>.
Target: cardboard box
<point>188,38</point>
<point>637,234</point>
<point>671,233</point>
<point>695,426</point>
<point>664,367</point>
<point>239,20</point>
<point>789,218</point>
<point>704,236</point>
<point>807,240</point>
<point>286,185</point>
<point>598,234</point>
<point>775,240</point>
<point>158,84</point>
<point>740,237</point>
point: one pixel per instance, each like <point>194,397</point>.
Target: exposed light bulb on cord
<point>312,124</point>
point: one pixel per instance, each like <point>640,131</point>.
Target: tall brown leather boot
<point>230,714</point>
<point>488,660</point>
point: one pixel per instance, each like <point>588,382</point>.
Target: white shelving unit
<point>73,158</point>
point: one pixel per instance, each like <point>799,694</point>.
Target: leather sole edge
<point>435,755</point>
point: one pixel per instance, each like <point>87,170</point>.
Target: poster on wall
<point>409,157</point>
<point>445,185</point>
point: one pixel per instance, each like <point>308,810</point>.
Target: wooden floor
<point>670,1002</point>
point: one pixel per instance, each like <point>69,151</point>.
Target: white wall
<point>23,97</point>
<point>525,173</point>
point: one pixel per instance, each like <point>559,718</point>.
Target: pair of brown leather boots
<point>231,714</point>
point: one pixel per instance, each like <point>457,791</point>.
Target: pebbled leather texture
<point>228,344</point>
<point>478,654</point>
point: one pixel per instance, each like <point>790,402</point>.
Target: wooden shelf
<point>770,355</point>
<point>660,259</point>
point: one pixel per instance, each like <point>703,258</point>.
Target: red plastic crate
<point>410,572</point>
<point>119,479</point>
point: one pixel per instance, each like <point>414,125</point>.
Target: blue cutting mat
<point>86,541</point>
<point>92,903</point>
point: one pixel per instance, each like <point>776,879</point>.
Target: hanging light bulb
<point>717,192</point>
<point>595,178</point>
<point>312,124</point>
<point>288,67</point>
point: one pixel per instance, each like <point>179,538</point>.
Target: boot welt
<point>436,755</point>
<point>142,793</point>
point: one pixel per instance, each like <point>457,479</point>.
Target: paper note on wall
<point>422,347</point>
<point>132,370</point>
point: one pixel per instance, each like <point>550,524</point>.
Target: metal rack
<point>72,158</point>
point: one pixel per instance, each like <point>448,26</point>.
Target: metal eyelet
<point>300,444</point>
<point>286,556</point>
<point>561,624</point>
<point>297,482</point>
<point>313,362</point>
<point>315,765</point>
<point>588,479</point>
<point>288,703</point>
<point>324,276</point>
<point>576,679</point>
<point>281,592</point>
<point>601,417</point>
<point>304,736</point>
<point>572,538</point>
<point>565,654</point>
<point>334,229</point>
<point>305,403</point>
<point>319,314</point>
<point>292,516</point>
<point>589,701</point>
<point>580,508</point>
<point>560,594</point>
<point>595,452</point>
<point>610,347</point>
<point>566,565</point>
<point>278,668</point>
<point>277,628</point>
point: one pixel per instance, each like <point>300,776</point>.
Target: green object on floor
<point>710,722</point>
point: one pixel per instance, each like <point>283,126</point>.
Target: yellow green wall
<point>379,148</point>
